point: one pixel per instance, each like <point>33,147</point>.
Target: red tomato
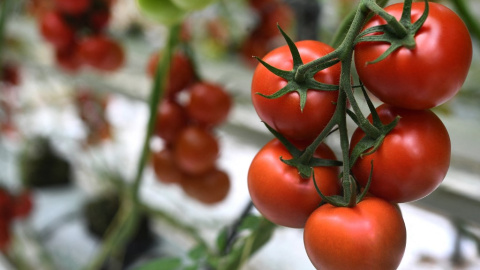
<point>209,188</point>
<point>426,76</point>
<point>5,236</point>
<point>10,74</point>
<point>278,191</point>
<point>99,19</point>
<point>102,53</point>
<point>196,150</point>
<point>181,72</point>
<point>165,168</point>
<point>284,114</point>
<point>370,235</point>
<point>23,204</point>
<point>413,159</point>
<point>209,103</point>
<point>171,120</point>
<point>56,31</point>
<point>68,59</point>
<point>72,7</point>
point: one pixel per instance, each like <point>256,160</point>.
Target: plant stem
<point>126,219</point>
<point>5,5</point>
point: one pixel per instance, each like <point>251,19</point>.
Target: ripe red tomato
<point>426,76</point>
<point>56,30</point>
<point>413,159</point>
<point>171,120</point>
<point>72,7</point>
<point>209,103</point>
<point>209,188</point>
<point>196,150</point>
<point>278,191</point>
<point>23,204</point>
<point>181,72</point>
<point>68,59</point>
<point>165,169</point>
<point>102,53</point>
<point>9,73</point>
<point>284,114</point>
<point>370,235</point>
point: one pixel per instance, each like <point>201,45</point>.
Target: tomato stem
<point>126,219</point>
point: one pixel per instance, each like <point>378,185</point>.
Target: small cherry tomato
<point>102,53</point>
<point>56,30</point>
<point>72,7</point>
<point>171,120</point>
<point>209,103</point>
<point>209,188</point>
<point>196,150</point>
<point>180,74</point>
<point>370,235</point>
<point>278,191</point>
<point>412,160</point>
<point>166,171</point>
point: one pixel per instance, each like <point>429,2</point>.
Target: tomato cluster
<point>12,207</point>
<point>76,31</point>
<point>91,108</point>
<point>186,119</point>
<point>400,153</point>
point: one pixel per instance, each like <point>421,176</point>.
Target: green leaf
<point>222,238</point>
<point>164,264</point>
<point>251,222</point>
<point>198,252</point>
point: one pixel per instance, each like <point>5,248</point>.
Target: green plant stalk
<point>347,22</point>
<point>5,5</point>
<point>469,19</point>
<point>345,53</point>
<point>126,220</point>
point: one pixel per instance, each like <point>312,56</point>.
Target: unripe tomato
<point>162,11</point>
<point>192,4</point>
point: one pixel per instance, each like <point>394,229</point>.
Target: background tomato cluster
<point>79,122</point>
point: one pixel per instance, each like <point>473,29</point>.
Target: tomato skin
<point>209,103</point>
<point>278,191</point>
<point>72,7</point>
<point>196,150</point>
<point>171,120</point>
<point>413,159</point>
<point>56,31</point>
<point>68,59</point>
<point>180,75</point>
<point>209,188</point>
<point>426,76</point>
<point>164,167</point>
<point>102,53</point>
<point>370,235</point>
<point>283,113</point>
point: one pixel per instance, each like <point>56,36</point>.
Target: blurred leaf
<point>164,264</point>
<point>198,252</point>
<point>222,239</point>
<point>251,222</point>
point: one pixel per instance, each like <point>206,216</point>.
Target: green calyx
<point>303,163</point>
<point>397,33</point>
<point>296,81</point>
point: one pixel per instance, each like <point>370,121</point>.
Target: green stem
<point>126,220</point>
<point>397,27</point>
<point>469,19</point>
<point>5,5</point>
